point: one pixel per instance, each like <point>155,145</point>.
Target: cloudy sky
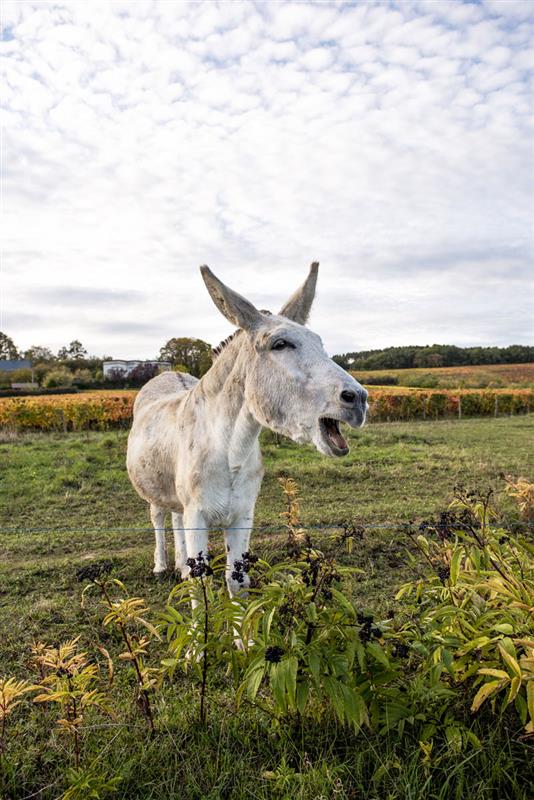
<point>388,140</point>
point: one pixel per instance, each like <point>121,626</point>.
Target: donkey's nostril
<point>348,396</point>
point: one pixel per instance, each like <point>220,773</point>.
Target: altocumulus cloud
<point>388,140</point>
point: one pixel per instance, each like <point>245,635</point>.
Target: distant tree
<point>194,354</point>
<point>445,355</point>
<point>36,353</point>
<point>116,376</point>
<point>41,370</point>
<point>74,351</point>
<point>8,349</point>
<point>141,374</point>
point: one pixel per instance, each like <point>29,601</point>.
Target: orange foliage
<point>103,410</point>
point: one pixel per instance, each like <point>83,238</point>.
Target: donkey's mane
<point>216,351</point>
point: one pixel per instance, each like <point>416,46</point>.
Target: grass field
<point>68,494</point>
<point>470,377</point>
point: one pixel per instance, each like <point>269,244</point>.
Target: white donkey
<point>193,448</point>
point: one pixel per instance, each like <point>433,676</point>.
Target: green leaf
<point>455,565</point>
<point>509,658</point>
<point>277,682</point>
<point>266,624</point>
<point>515,685</point>
<point>505,628</point>
<point>314,663</point>
<point>252,681</point>
<point>485,691</point>
<point>378,654</point>
<point>530,699</point>
<point>521,707</point>
<point>344,602</point>
<point>453,735</point>
<point>335,694</point>
<point>302,694</point>
<point>354,706</point>
<point>291,666</point>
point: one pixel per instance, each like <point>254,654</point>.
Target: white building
<point>125,367</point>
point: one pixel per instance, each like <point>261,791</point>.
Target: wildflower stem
<point>143,694</point>
<point>204,655</point>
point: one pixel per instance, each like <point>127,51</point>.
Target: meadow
<point>67,505</point>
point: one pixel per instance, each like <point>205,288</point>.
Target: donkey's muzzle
<point>356,401</point>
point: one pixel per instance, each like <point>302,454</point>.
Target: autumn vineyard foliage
<point>103,410</point>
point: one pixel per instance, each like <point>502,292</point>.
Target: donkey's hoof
<point>160,575</point>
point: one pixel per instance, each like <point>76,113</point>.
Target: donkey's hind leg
<point>180,549</point>
<point>157,515</point>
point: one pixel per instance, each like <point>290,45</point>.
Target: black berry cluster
<point>274,654</point>
<point>443,573</point>
<point>368,631</point>
<point>449,523</point>
<point>199,566</point>
<point>290,611</point>
<point>243,566</point>
<point>401,650</point>
<point>319,571</point>
<point>92,572</point>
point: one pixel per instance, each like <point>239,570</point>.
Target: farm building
<point>12,364</point>
<point>126,367</point>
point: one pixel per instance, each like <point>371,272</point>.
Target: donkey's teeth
<point>333,434</point>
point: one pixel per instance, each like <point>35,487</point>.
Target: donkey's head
<point>291,385</point>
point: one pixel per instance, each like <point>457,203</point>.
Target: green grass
<point>76,487</point>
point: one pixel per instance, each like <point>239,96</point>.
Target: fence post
<point>496,405</point>
<point>459,408</point>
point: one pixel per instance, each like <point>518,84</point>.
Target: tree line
<point>72,366</point>
<point>436,355</point>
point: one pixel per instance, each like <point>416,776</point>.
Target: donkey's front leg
<point>237,541</point>
<point>196,539</point>
<point>157,515</point>
<point>180,548</point>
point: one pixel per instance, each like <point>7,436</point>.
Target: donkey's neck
<point>234,430</point>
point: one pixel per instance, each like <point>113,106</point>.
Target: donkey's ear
<point>298,306</point>
<point>235,308</point>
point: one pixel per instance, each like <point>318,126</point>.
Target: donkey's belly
<point>152,472</point>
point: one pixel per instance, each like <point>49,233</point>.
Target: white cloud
<point>145,138</point>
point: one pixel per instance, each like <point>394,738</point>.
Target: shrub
<point>58,377</point>
<point>21,376</point>
<point>83,378</point>
<point>379,380</point>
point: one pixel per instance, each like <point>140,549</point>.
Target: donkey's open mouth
<point>332,436</point>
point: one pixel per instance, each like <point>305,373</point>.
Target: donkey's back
<point>168,383</point>
<point>153,444</point>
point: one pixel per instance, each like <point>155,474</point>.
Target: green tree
<point>36,353</point>
<point>194,354</point>
<point>75,350</point>
<point>8,349</point>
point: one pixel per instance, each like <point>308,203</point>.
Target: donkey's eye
<point>282,344</point>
